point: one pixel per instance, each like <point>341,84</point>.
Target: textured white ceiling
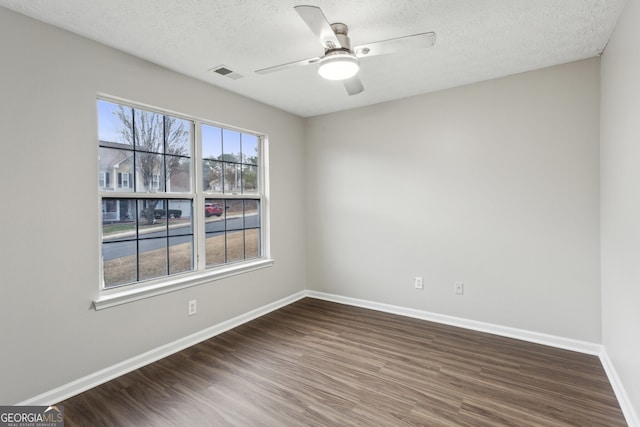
<point>476,40</point>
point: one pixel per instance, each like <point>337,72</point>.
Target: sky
<point>214,139</point>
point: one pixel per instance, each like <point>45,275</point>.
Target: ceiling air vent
<point>225,71</point>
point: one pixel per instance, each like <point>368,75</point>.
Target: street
<point>112,248</point>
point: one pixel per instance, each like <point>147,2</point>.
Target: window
<point>230,168</point>
<point>103,179</point>
<point>157,220</point>
<point>123,180</point>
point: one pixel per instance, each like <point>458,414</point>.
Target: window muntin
<point>235,234</point>
<point>229,161</point>
<point>151,208</point>
<point>154,149</point>
<point>145,238</point>
<point>230,166</point>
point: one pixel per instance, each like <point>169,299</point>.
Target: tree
<point>250,175</point>
<point>234,172</point>
<point>153,134</point>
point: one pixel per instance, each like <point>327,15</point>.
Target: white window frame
<point>109,297</point>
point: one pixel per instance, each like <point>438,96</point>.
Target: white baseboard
<point>505,331</point>
<point>623,398</point>
<point>78,386</point>
<point>92,380</point>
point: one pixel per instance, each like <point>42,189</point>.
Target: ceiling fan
<point>340,61</point>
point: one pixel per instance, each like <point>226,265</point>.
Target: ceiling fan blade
<point>287,65</point>
<point>353,85</point>
<point>319,25</point>
<point>416,41</point>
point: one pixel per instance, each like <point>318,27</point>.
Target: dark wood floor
<point>316,363</point>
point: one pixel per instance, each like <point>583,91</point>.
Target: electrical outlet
<point>459,288</point>
<point>193,308</point>
<point>417,282</point>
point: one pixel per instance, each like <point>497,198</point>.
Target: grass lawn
<point>118,227</point>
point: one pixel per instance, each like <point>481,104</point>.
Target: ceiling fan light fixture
<point>338,66</point>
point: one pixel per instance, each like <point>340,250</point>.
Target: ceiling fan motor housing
<point>341,30</point>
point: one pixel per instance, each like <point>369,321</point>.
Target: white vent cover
<point>225,71</point>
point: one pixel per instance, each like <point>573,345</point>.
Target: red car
<point>212,209</point>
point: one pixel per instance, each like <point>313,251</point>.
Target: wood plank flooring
<point>316,363</point>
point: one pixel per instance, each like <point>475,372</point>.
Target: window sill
<point>123,295</point>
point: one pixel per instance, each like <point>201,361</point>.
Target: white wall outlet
<point>459,288</point>
<point>417,282</point>
<point>193,308</point>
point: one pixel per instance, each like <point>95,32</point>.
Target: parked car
<point>212,209</point>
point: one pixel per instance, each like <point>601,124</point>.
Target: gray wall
<point>494,184</point>
<point>49,231</point>
<point>620,186</point>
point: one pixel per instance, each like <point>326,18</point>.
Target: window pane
<point>127,260</point>
<point>118,217</point>
<point>113,163</point>
<point>235,246</point>
<point>251,214</point>
<point>178,174</point>
<point>252,243</point>
<point>148,131</point>
<point>215,248</point>
<point>249,149</point>
<point>211,142</point>
<point>178,136</point>
<point>149,172</point>
<point>180,254</point>
<point>212,176</point>
<point>214,208</point>
<point>231,146</point>
<point>152,258</point>
<point>234,215</point>
<point>232,176</point>
<point>238,236</point>
<point>118,241</point>
<point>152,218</point>
<point>119,262</point>
<point>114,123</point>
<point>249,179</point>
<point>180,217</point>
